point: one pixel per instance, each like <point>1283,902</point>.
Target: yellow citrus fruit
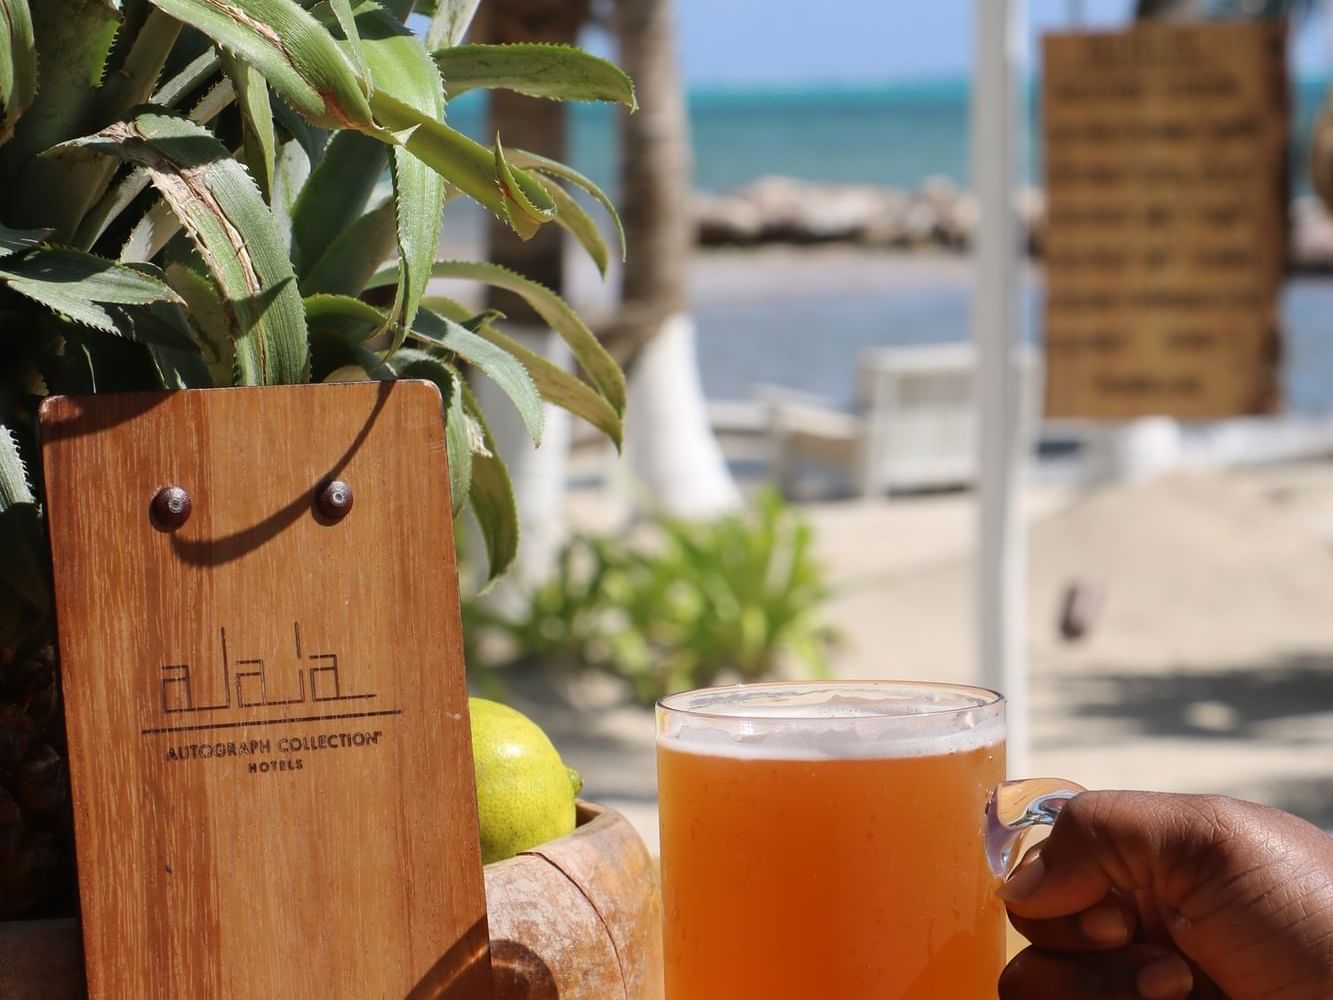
<point>525,793</point>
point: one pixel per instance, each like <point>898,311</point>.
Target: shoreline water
<point>801,318</point>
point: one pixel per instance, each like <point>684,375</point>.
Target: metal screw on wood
<point>334,500</point>
<point>170,508</point>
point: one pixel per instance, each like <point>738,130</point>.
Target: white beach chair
<point>915,427</point>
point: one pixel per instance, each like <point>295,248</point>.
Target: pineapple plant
<point>202,193</point>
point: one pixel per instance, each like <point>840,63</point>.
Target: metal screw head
<point>170,508</point>
<point>334,500</point>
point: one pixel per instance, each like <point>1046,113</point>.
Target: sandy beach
<point>1210,666</point>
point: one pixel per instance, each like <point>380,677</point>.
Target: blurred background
<point>798,200</point>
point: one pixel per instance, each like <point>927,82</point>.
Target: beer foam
<point>835,728</point>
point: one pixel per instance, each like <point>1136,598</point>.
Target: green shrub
<point>681,605</point>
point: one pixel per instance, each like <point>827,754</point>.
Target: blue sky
<point>799,41</point>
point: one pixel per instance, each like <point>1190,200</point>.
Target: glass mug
<point>841,840</point>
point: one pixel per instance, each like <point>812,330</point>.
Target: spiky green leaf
<point>492,497</point>
<point>339,328</point>
<point>557,72</point>
<point>81,285</point>
<point>180,369</point>
<point>291,171</point>
<point>400,67</point>
<point>588,351</point>
<point>502,368</point>
<point>571,217</point>
<point>23,568</point>
<point>335,196</point>
<point>543,165</point>
<point>216,100</point>
<point>14,241</point>
<point>458,437</point>
<point>163,328</point>
<point>525,191</point>
<point>14,486</point>
<point>258,139</point>
<point>137,76</point>
<point>313,140</point>
<point>344,313</point>
<point>74,41</point>
<point>221,209</point>
<point>185,82</point>
<point>151,233</point>
<point>412,363</point>
<point>121,196</point>
<point>208,319</point>
<point>166,331</point>
<point>342,10</point>
<point>293,51</point>
<point>87,177</point>
<point>399,10</point>
<point>450,22</point>
<point>557,386</point>
<point>469,166</point>
<point>18,64</point>
<point>357,253</point>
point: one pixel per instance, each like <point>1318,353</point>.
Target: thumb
<point>1103,841</point>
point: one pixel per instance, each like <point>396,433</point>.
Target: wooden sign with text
<point>1165,240</point>
<point>268,733</point>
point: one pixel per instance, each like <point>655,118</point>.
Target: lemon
<point>525,793</point>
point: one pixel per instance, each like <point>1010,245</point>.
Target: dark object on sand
<point>1080,608</point>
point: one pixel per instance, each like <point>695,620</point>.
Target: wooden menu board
<point>268,734</point>
<point>1165,244</point>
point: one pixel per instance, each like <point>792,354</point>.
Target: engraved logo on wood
<point>310,688</point>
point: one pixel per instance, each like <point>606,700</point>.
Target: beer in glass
<point>826,841</point>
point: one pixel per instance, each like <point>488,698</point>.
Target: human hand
<point>1145,896</point>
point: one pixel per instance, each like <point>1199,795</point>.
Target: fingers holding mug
<point>1135,972</point>
<point>1107,925</point>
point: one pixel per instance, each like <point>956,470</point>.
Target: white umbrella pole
<point>1001,582</point>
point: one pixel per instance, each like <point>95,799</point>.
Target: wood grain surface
<point>268,733</point>
<point>1165,241</point>
<point>579,918</point>
<point>576,919</point>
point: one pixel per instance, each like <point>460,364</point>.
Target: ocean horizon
<point>892,133</point>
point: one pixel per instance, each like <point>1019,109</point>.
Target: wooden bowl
<point>576,919</point>
<point>579,918</point>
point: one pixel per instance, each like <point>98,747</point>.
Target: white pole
<point>1001,580</point>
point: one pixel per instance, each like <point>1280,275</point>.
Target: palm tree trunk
<point>538,475</point>
<point>1321,153</point>
<point>670,445</point>
<point>531,124</point>
<point>655,173</point>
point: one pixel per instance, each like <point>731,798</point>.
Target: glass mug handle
<point>1015,808</point>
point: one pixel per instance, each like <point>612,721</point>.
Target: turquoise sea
<point>895,134</point>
